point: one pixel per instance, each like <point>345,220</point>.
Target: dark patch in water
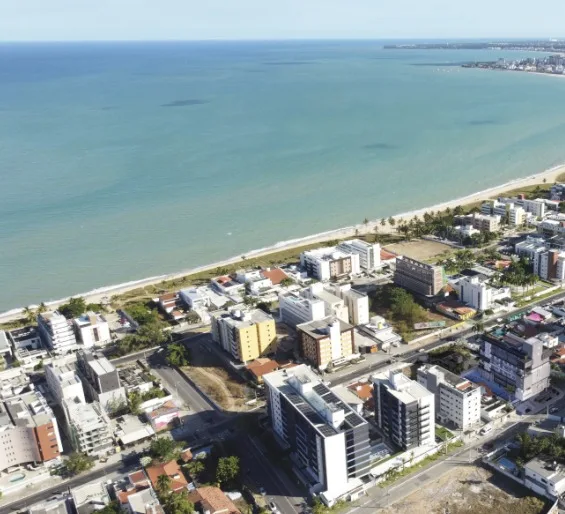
<point>287,63</point>
<point>379,146</point>
<point>184,103</point>
<point>479,123</point>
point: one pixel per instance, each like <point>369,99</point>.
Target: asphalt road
<point>123,466</point>
<point>278,487</point>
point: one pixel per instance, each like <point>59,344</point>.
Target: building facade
<point>100,380</point>
<point>29,433</point>
<point>519,366</point>
<point>418,277</point>
<point>329,263</point>
<point>56,332</point>
<point>295,309</point>
<point>64,383</point>
<point>457,400</point>
<point>89,427</point>
<point>475,292</point>
<point>325,342</point>
<point>404,410</point>
<point>328,440</point>
<point>369,253</point>
<point>357,303</point>
<point>245,334</point>
<point>92,330</point>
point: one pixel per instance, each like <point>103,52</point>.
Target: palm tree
<point>42,308</point>
<point>478,326</point>
<point>366,221</point>
<point>383,222</point>
<point>163,485</point>
<point>29,314</point>
<point>391,221</point>
<point>195,467</point>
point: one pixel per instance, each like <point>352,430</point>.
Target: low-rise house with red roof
<point>172,470</point>
<point>212,500</point>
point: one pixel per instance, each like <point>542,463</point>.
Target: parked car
<point>553,410</point>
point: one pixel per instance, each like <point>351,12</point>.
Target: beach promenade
<point>98,295</point>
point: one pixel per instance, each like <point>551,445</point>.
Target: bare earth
<point>421,250</point>
<point>464,490</point>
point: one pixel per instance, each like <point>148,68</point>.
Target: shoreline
<point>96,295</point>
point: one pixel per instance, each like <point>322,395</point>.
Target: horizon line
<point>287,39</point>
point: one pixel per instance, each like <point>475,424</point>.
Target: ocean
<point>120,161</point>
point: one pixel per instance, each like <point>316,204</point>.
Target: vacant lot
<point>421,250</point>
<point>466,490</point>
<point>225,389</point>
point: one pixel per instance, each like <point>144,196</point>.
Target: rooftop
<point>4,343</point>
<point>23,334</point>
<point>28,410</point>
<point>546,469</point>
<point>144,502</point>
<point>89,319</point>
<point>101,365</point>
<point>87,416</point>
<point>92,492</point>
<point>319,329</point>
<point>400,386</point>
<point>327,253</point>
<point>241,318</point>
<point>275,275</point>
<point>172,470</point>
<point>455,381</point>
<point>214,500</point>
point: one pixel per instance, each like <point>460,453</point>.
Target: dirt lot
<point>226,390</point>
<point>466,490</point>
<point>421,250</point>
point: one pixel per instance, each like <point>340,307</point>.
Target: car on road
<point>553,410</point>
<point>273,507</point>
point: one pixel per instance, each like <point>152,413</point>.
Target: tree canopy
<point>163,449</point>
<point>78,463</point>
<point>177,354</point>
<point>142,314</point>
<point>74,308</point>
<point>227,469</point>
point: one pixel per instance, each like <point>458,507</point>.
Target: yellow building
<point>245,334</point>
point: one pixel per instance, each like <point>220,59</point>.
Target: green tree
<point>265,306</point>
<point>318,507</point>
<point>177,503</point>
<point>77,463</point>
<point>383,222</point>
<point>29,315</point>
<point>478,327</point>
<point>195,468</point>
<point>287,281</point>
<point>38,366</point>
<point>177,355</point>
<point>142,314</point>
<point>42,308</point>
<point>163,485</point>
<point>366,221</point>
<point>74,308</point>
<point>227,470</point>
<point>391,221</point>
<point>163,449</point>
<point>249,300</point>
<point>134,401</point>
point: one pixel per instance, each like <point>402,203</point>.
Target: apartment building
<point>88,426</point>
<point>325,342</point>
<point>333,305</point>
<point>56,332</point>
<point>457,400</point>
<point>328,440</point>
<point>485,223</point>
<point>100,380</point>
<point>295,309</point>
<point>369,253</point>
<point>357,303</point>
<point>64,383</point>
<point>537,207</point>
<point>530,246</point>
<point>550,264</point>
<point>552,225</point>
<point>404,410</point>
<point>475,291</point>
<point>245,334</point>
<point>29,433</point>
<point>329,263</point>
<point>27,337</point>
<point>519,366</point>
<point>92,330</point>
<point>418,277</point>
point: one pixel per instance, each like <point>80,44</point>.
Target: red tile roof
<point>276,275</point>
<point>214,500</point>
<point>387,256</point>
<point>172,470</point>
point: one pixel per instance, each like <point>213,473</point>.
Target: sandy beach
<point>100,294</point>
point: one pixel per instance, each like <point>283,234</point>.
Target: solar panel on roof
<point>355,420</point>
<point>321,389</point>
<point>326,430</point>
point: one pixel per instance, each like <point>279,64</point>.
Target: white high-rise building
<point>329,263</point>
<point>327,439</point>
<point>93,330</point>
<point>369,253</point>
<point>404,410</point>
<point>89,427</point>
<point>56,332</point>
<point>357,303</point>
<point>457,400</point>
<point>475,292</point>
<point>64,383</point>
<point>295,309</point>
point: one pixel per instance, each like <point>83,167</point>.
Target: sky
<point>68,20</point>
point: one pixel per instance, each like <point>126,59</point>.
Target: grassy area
<point>394,475</point>
<point>443,434</point>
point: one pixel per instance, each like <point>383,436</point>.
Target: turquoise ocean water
<point>123,161</point>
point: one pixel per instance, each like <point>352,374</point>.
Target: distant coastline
<point>98,294</point>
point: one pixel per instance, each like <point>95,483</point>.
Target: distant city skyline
<point>111,20</point>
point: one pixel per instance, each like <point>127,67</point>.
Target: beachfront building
<point>100,379</point>
<point>296,309</point>
<point>519,366</point>
<point>485,223</point>
<point>419,277</point>
<point>244,333</point>
<point>328,441</point>
<point>329,263</point>
<point>326,342</point>
<point>88,426</point>
<point>64,383</point>
<point>56,332</point>
<point>474,290</point>
<point>369,253</point>
<point>92,330</point>
<point>404,410</point>
<point>29,433</point>
<point>27,337</point>
<point>254,280</point>
<point>333,305</point>
<point>457,400</point>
